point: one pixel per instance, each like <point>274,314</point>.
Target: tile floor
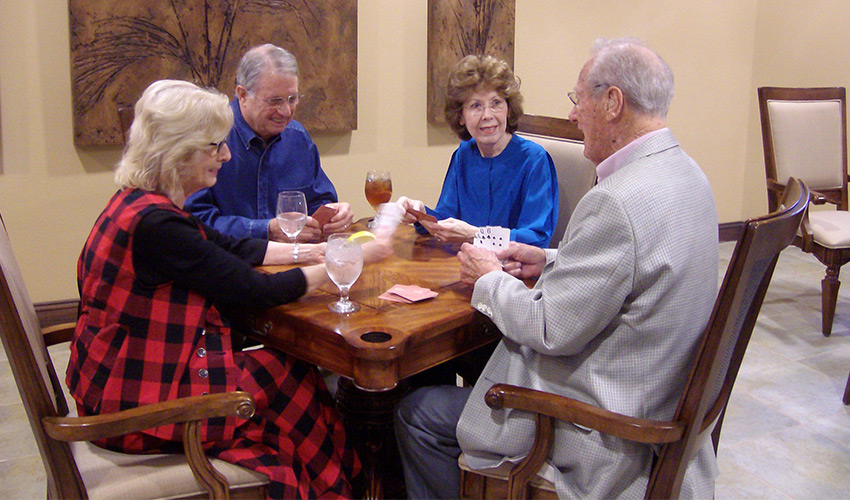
<point>786,434</point>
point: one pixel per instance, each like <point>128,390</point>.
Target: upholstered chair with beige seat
<point>562,139</point>
<point>76,468</point>
<point>804,132</point>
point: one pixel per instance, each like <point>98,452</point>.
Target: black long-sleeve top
<point>170,247</point>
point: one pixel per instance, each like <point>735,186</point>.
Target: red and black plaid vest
<point>135,344</point>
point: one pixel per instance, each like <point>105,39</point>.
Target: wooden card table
<point>377,347</point>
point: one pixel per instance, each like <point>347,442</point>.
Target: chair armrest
<point>806,235</point>
<point>90,428</point>
<point>58,334</point>
<point>571,410</point>
<point>818,198</point>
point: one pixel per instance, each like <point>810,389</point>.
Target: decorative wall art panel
<point>119,47</point>
<point>458,28</point>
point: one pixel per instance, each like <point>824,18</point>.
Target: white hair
<point>638,71</point>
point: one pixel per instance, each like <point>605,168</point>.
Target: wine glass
<point>379,189</point>
<point>291,213</point>
<point>343,261</point>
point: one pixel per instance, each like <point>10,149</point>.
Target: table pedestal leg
<point>368,419</point>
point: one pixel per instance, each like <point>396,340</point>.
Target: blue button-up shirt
<point>244,198</point>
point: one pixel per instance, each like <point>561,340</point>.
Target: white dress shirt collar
<point>617,160</point>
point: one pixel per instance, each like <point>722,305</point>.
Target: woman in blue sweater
<point>495,177</point>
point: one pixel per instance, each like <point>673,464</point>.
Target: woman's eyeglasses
<point>218,145</point>
<point>477,107</point>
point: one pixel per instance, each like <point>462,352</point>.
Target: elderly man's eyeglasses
<point>573,96</point>
<point>477,107</point>
<point>218,146</point>
<point>280,102</point>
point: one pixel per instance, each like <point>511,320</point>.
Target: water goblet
<point>344,262</point>
<point>291,213</point>
<point>379,188</point>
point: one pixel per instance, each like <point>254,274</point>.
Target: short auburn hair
<point>474,73</point>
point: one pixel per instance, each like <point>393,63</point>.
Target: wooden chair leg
<point>829,297</point>
<point>847,392</point>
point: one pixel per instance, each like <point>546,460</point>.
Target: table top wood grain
<point>384,341</point>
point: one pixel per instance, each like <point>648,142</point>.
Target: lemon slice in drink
<point>361,237</point>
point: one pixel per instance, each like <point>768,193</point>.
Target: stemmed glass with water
<point>344,262</point>
<point>291,213</point>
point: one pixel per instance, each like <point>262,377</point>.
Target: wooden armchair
<point>78,469</point>
<point>702,405</point>
<point>804,133</point>
<point>576,174</point>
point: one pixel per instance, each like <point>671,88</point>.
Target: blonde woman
<point>152,281</point>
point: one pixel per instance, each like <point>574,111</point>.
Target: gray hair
<point>174,122</point>
<point>263,58</point>
<point>638,71</point>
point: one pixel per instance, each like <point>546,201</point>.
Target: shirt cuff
<point>259,229</point>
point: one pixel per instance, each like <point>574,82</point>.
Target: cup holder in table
<point>375,337</point>
<point>376,341</point>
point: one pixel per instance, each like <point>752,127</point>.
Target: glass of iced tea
<point>379,188</point>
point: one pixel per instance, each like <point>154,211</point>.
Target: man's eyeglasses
<point>477,107</point>
<point>218,145</point>
<point>280,102</point>
<point>573,97</point>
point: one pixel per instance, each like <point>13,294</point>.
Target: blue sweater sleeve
<point>539,208</point>
<point>448,204</point>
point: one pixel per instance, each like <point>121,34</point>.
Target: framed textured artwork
<point>119,47</point>
<point>458,28</point>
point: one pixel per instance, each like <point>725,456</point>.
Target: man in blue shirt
<point>271,152</point>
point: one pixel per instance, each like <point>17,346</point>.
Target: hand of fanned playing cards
<point>493,238</point>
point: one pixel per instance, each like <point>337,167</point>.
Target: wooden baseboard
<point>57,312</point>
<point>730,231</point>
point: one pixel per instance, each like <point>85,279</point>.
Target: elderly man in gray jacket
<point>617,312</point>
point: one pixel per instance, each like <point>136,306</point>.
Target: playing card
<point>323,214</point>
<point>407,293</point>
<point>394,298</point>
<point>421,215</point>
<point>493,238</point>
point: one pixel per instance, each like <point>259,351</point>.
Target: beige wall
<point>51,192</point>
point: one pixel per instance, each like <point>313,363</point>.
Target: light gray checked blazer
<point>614,321</point>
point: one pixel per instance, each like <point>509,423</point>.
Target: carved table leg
<point>368,419</point>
